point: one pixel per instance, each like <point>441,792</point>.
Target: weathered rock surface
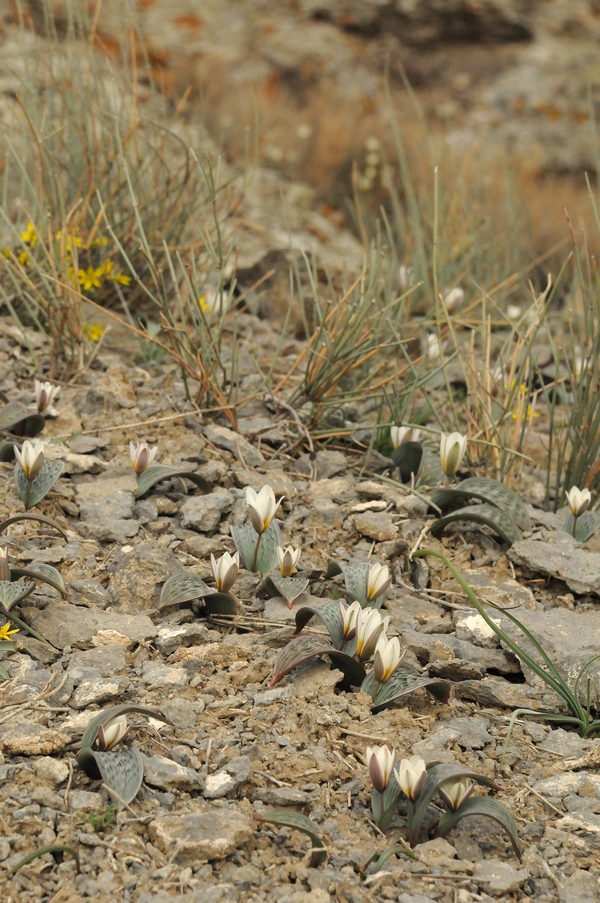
<point>560,555</point>
<point>63,624</point>
<point>207,834</point>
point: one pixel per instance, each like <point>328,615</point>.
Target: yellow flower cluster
<point>93,332</point>
<point>88,279</point>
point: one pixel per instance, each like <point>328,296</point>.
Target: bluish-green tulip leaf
<point>287,818</point>
<point>289,587</point>
<point>31,494</point>
<point>587,524</point>
<point>492,517</point>
<point>329,613</point>
<point>158,472</point>
<point>182,588</point>
<point>482,805</point>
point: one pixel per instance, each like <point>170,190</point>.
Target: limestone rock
<point>63,624</point>
<point>209,834</point>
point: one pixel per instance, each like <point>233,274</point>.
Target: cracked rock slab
<point>210,834</point>
<point>560,555</point>
<point>63,624</point>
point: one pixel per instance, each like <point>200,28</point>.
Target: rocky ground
<point>235,747</point>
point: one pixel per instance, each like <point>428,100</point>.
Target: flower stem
<point>256,548</point>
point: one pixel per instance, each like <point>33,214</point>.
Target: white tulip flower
<point>579,500</point>
<point>387,657</point>
<point>350,615</point>
<point>30,458</point>
<point>402,434</point>
<point>112,733</point>
<point>411,776</point>
<point>378,580</point>
<point>142,456</point>
<point>456,792</point>
<point>452,450</point>
<point>261,507</point>
<point>45,393</point>
<point>369,627</point>
<point>225,570</point>
<point>380,762</point>
<point>288,560</point>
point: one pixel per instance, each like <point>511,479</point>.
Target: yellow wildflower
<point>122,278</point>
<point>29,236</point>
<point>5,252</point>
<point>90,279</point>
<point>23,258</point>
<point>6,632</point>
<point>93,331</point>
<point>106,268</point>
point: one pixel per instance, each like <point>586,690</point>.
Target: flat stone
<point>90,593</point>
<point>472,731</point>
<point>171,638</point>
<point>156,675</point>
<point>438,646</point>
<point>282,796</point>
<point>63,624</point>
<point>106,508</point>
<point>570,639</point>
<point>580,887</point>
<point>501,589</point>
<point>203,512</point>
<point>380,527</point>
<point>559,555</point>
<point>52,771</point>
<point>211,834</point>
<point>26,739</point>
<point>218,785</point>
<point>326,463</point>
<point>240,448</point>
<point>436,852</point>
<point>107,660</point>
<point>497,877</point>
<point>493,691</point>
<point>169,775</point>
<point>474,629</point>
<point>97,691</point>
<point>180,711</point>
<point>85,801</point>
<point>567,744</point>
<point>277,694</point>
<point>277,609</point>
<point>338,489</point>
<point>566,783</point>
<point>136,573</point>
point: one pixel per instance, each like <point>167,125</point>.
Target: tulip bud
<point>411,776</point>
<point>288,559</point>
<point>453,299</point>
<point>45,393</point>
<point>387,657</point>
<point>434,347</point>
<point>456,792</point>
<point>30,458</point>
<point>141,456</point>
<point>369,627</point>
<point>4,568</point>
<point>378,580</point>
<point>402,434</point>
<point>261,507</point>
<point>225,570</point>
<point>349,615</point>
<point>579,500</point>
<point>380,762</point>
<point>112,733</point>
<point>452,450</point>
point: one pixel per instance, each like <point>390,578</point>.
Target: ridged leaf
<point>486,490</point>
<point>157,472</point>
<point>41,851</point>
<point>121,769</point>
<point>41,485</point>
<point>220,604</point>
<point>7,452</point>
<point>329,613</point>
<point>289,587</point>
<point>45,573</point>
<point>587,525</point>
<point>355,578</point>
<point>482,805</point>
<point>39,517</point>
<point>182,588</point>
<point>245,539</point>
<point>492,517</point>
<point>291,819</point>
<point>11,593</point>
<point>430,472</point>
<point>30,426</point>
<point>333,569</point>
<point>437,775</point>
<point>407,458</point>
<point>375,863</point>
<point>90,734</point>
<point>301,648</point>
<point>403,681</point>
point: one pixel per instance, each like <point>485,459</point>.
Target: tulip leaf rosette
<point>365,582</point>
<point>103,754</point>
<point>187,587</point>
<point>287,583</point>
<point>149,474</point>
<point>356,635</point>
<point>581,523</point>
<point>419,784</point>
<point>34,475</point>
<point>257,541</point>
